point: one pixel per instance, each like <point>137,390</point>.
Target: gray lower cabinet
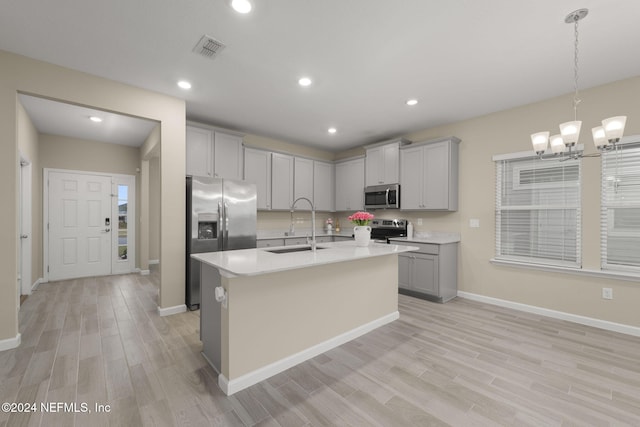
<point>324,239</point>
<point>269,243</point>
<point>210,316</point>
<point>295,241</point>
<point>430,273</point>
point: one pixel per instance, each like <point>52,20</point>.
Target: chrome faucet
<point>313,221</point>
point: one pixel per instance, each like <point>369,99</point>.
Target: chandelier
<point>605,137</point>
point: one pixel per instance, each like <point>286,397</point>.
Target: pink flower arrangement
<point>361,218</point>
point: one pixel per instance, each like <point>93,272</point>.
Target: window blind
<point>538,211</point>
<point>620,208</point>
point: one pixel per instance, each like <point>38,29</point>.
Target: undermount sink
<point>292,249</point>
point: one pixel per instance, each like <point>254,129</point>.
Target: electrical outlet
<point>419,221</point>
<point>607,293</point>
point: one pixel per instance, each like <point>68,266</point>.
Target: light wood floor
<point>461,364</point>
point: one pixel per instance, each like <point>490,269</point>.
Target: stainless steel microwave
<point>386,196</point>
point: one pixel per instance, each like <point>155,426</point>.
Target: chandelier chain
<point>576,98</point>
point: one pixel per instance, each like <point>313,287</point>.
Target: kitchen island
<point>281,309</point>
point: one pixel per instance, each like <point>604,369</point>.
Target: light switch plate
<point>474,223</point>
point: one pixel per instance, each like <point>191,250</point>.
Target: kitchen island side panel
<point>273,316</point>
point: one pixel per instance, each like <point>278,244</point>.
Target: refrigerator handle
<point>220,227</point>
<point>226,227</point>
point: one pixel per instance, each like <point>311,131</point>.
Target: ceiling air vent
<point>208,47</point>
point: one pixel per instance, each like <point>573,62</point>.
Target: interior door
<point>24,275</point>
<point>79,209</point>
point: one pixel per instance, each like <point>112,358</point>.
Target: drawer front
<point>425,248</point>
<point>295,241</point>
<point>269,243</point>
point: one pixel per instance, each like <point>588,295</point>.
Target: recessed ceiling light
<point>304,81</point>
<point>184,84</point>
<point>332,130</point>
<point>241,6</point>
<point>412,102</point>
<point>95,119</point>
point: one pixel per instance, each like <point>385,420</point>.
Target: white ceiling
<point>459,58</point>
<point>57,118</point>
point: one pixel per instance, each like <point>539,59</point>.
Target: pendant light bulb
<point>557,144</point>
<point>539,141</point>
<point>570,132</point>
<point>599,137</point>
<point>614,127</point>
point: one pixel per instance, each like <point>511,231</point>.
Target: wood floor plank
<point>413,414</point>
<point>297,397</point>
<point>157,414</point>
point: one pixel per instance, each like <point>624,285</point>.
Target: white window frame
<point>607,217</point>
<point>119,266</point>
<point>545,163</point>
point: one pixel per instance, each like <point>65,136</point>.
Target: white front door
<point>80,225</point>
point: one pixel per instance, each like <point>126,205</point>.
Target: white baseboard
<point>210,363</point>
<point>145,272</point>
<point>583,320</point>
<point>10,343</point>
<point>168,311</point>
<point>230,387</point>
<point>154,261</point>
<point>36,284</point>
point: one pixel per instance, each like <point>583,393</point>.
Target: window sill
<point>618,275</point>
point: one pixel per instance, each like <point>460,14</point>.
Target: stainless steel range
<point>383,229</point>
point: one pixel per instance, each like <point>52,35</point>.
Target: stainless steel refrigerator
<point>221,216</point>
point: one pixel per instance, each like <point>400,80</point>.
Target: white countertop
<point>435,237</point>
<point>253,262</point>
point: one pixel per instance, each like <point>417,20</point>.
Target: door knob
<point>24,236</point>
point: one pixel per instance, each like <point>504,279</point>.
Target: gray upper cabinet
<point>213,153</point>
<point>303,181</point>
<point>350,185</point>
<point>429,175</point>
<point>324,186</point>
<point>227,157</point>
<point>199,151</point>
<point>382,163</point>
<point>282,178</point>
<point>282,166</point>
<point>257,170</point>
